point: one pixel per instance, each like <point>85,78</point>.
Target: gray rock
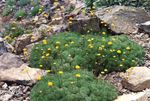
<point>122,19</point>
<point>22,75</point>
<point>140,96</point>
<point>84,24</point>
<point>136,78</point>
<point>144,27</point>
<point>8,60</point>
<point>3,47</point>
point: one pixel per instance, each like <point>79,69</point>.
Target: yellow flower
<point>70,22</point>
<point>72,42</point>
<point>89,40</point>
<point>110,43</point>
<point>45,15</point>
<point>128,48</point>
<point>49,49</point>
<point>44,42</point>
<point>57,43</point>
<point>48,71</point>
<point>114,56</point>
<point>41,66</point>
<point>43,57</point>
<point>60,72</point>
<point>90,46</point>
<point>103,33</point>
<point>121,65</point>
<point>123,59</point>
<point>25,49</point>
<point>78,75</point>
<point>66,45</point>
<point>47,54</point>
<point>72,82</point>
<point>98,54</point>
<point>70,18</point>
<point>119,51</point>
<point>50,84</point>
<point>32,38</point>
<point>57,47</point>
<point>105,70</point>
<point>102,46</point>
<point>77,67</point>
<point>102,72</point>
<point>38,77</point>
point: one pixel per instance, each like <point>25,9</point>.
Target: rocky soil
<point>16,76</point>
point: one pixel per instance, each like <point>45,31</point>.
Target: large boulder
<point>83,24</point>
<point>23,74</point>
<point>136,78</point>
<point>122,19</point>
<point>140,96</point>
<point>8,60</point>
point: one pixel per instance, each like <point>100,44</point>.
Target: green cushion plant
<point>92,52</point>
<point>74,86</point>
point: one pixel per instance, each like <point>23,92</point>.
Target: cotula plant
<point>73,86</point>
<point>66,50</point>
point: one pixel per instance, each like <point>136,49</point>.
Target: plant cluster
<point>134,3</point>
<point>20,14</point>
<point>100,53</point>
<point>74,86</point>
<point>12,31</point>
<point>10,8</point>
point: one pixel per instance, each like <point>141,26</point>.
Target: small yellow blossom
<point>48,71</point>
<point>32,38</point>
<point>105,70</point>
<point>128,48</point>
<point>121,65</point>
<point>78,75</point>
<point>98,54</point>
<point>44,42</point>
<point>102,72</point>
<point>50,84</point>
<point>119,51</point>
<point>103,33</point>
<point>41,66</point>
<point>72,82</point>
<point>38,77</point>
<point>110,43</point>
<point>45,15</point>
<point>90,46</point>
<point>70,18</point>
<point>114,56</point>
<point>77,67</point>
<point>57,47</point>
<point>66,45</point>
<point>60,72</point>
<point>47,54</point>
<point>102,46</point>
<point>43,57</point>
<point>57,43</point>
<point>72,42</point>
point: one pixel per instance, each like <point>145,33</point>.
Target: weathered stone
<point>21,42</point>
<point>122,19</point>
<point>144,27</point>
<point>3,47</point>
<point>141,96</point>
<point>137,78</point>
<point>8,60</point>
<point>23,74</point>
<point>84,24</point>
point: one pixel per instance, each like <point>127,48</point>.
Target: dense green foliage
<point>74,86</point>
<point>24,2</point>
<point>7,10</point>
<point>13,30</point>
<point>35,10</point>
<point>135,3</point>
<point>66,50</point>
<point>20,14</point>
